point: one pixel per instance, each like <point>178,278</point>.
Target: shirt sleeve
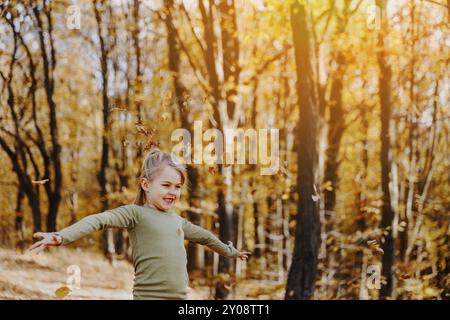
<point>121,217</point>
<point>199,235</point>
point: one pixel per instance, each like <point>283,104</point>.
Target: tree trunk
<point>385,92</point>
<point>49,63</point>
<point>109,245</point>
<point>18,221</point>
<point>335,131</point>
<point>195,252</point>
<point>225,212</point>
<point>301,279</point>
<point>230,53</point>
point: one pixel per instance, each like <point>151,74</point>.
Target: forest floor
<point>31,276</point>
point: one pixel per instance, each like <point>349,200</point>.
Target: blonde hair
<point>155,161</point>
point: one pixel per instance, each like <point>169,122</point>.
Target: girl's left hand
<point>242,255</point>
<point>48,239</point>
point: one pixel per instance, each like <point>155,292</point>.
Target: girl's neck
<point>151,206</point>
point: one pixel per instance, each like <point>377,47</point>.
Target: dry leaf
<point>374,246</point>
<point>139,98</point>
<point>150,143</point>
<point>142,129</point>
<point>40,181</point>
<point>282,171</point>
<point>328,186</point>
<point>165,116</point>
<point>62,292</point>
<point>212,170</point>
<point>167,98</point>
<point>118,109</point>
<point>404,276</point>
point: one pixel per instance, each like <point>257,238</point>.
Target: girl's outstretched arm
<point>121,217</point>
<point>199,235</point>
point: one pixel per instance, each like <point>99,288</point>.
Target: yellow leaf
<point>40,181</point>
<point>167,98</point>
<point>328,186</point>
<point>142,129</point>
<point>62,292</point>
<point>165,116</point>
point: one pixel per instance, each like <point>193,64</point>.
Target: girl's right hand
<point>49,239</point>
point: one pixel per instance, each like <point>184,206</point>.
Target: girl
<point>157,233</point>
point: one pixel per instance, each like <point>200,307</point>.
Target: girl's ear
<point>145,184</point>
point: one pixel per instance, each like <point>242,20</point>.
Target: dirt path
<point>31,276</point>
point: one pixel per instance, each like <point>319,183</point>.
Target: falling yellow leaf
<point>404,276</point>
<point>150,143</point>
<point>118,109</point>
<point>40,181</point>
<point>165,116</point>
<point>374,246</point>
<point>139,98</point>
<point>142,129</point>
<point>328,186</point>
<point>282,171</point>
<point>167,98</point>
<point>62,292</point>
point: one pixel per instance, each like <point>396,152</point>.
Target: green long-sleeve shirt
<point>157,239</point>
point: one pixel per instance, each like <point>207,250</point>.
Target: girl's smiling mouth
<point>169,200</point>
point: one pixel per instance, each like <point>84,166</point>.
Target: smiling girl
<point>157,233</point>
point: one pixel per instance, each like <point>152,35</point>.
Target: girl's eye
<point>178,187</point>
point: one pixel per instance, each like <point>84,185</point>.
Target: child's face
<point>164,190</point>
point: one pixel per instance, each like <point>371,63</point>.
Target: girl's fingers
<point>35,245</point>
<point>243,256</point>
<point>39,235</point>
<point>40,248</point>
